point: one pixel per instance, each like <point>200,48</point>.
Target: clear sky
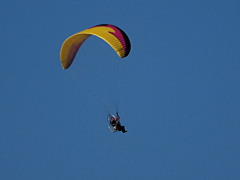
<point>177,93</point>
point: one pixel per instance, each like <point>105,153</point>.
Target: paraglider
<point>114,123</point>
<point>113,36</point>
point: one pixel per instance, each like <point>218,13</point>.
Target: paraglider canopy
<point>113,35</point>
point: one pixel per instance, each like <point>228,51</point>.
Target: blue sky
<point>178,95</point>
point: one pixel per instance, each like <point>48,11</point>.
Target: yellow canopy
<point>113,35</point>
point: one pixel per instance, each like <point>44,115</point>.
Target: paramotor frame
<point>110,117</point>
